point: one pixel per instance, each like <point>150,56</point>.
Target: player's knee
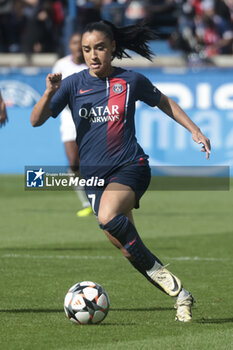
<point>74,163</point>
<point>74,168</point>
<point>116,226</point>
<point>104,217</point>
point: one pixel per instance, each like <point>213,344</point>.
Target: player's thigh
<point>71,149</point>
<point>67,126</point>
<point>116,199</point>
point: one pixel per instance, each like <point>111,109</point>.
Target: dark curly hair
<point>133,37</point>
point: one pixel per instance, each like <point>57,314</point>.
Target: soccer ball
<point>86,303</point>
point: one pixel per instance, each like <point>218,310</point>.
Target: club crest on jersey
<point>117,88</point>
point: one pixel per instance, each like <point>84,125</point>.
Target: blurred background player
<point>68,65</point>
<point>3,113</point>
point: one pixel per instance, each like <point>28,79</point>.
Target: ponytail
<point>134,38</point>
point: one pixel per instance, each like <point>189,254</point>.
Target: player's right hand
<point>53,82</point>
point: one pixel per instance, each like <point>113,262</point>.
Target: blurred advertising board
<point>206,95</point>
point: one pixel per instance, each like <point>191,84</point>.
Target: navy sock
<point>124,231</point>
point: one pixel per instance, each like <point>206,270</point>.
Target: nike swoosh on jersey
<point>81,91</point>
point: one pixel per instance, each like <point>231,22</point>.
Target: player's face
<point>97,51</point>
<point>75,46</point>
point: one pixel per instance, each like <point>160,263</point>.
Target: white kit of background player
<point>69,65</point>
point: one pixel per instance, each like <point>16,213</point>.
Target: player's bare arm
<point>173,110</point>
<point>41,111</point>
<point>3,112</point>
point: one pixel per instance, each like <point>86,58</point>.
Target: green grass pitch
<point>45,249</point>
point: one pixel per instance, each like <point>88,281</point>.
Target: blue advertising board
<point>20,143</point>
<point>206,95</point>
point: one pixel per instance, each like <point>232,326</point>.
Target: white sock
<point>82,196</point>
<point>81,192</point>
<point>156,267</point>
<point>183,293</point>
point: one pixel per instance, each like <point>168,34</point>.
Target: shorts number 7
<point>92,198</point>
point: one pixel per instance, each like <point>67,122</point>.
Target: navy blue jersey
<point>103,113</point>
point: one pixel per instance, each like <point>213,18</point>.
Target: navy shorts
<point>135,174</point>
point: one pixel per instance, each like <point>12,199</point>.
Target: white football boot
<point>183,308</point>
<point>166,280</point>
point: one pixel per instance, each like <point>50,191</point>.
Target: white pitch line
<point>196,258</point>
<point>87,257</point>
<point>104,257</point>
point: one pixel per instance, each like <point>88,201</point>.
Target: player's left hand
<point>201,138</point>
<point>3,113</point>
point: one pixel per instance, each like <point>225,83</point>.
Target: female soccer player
<point>102,100</point>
